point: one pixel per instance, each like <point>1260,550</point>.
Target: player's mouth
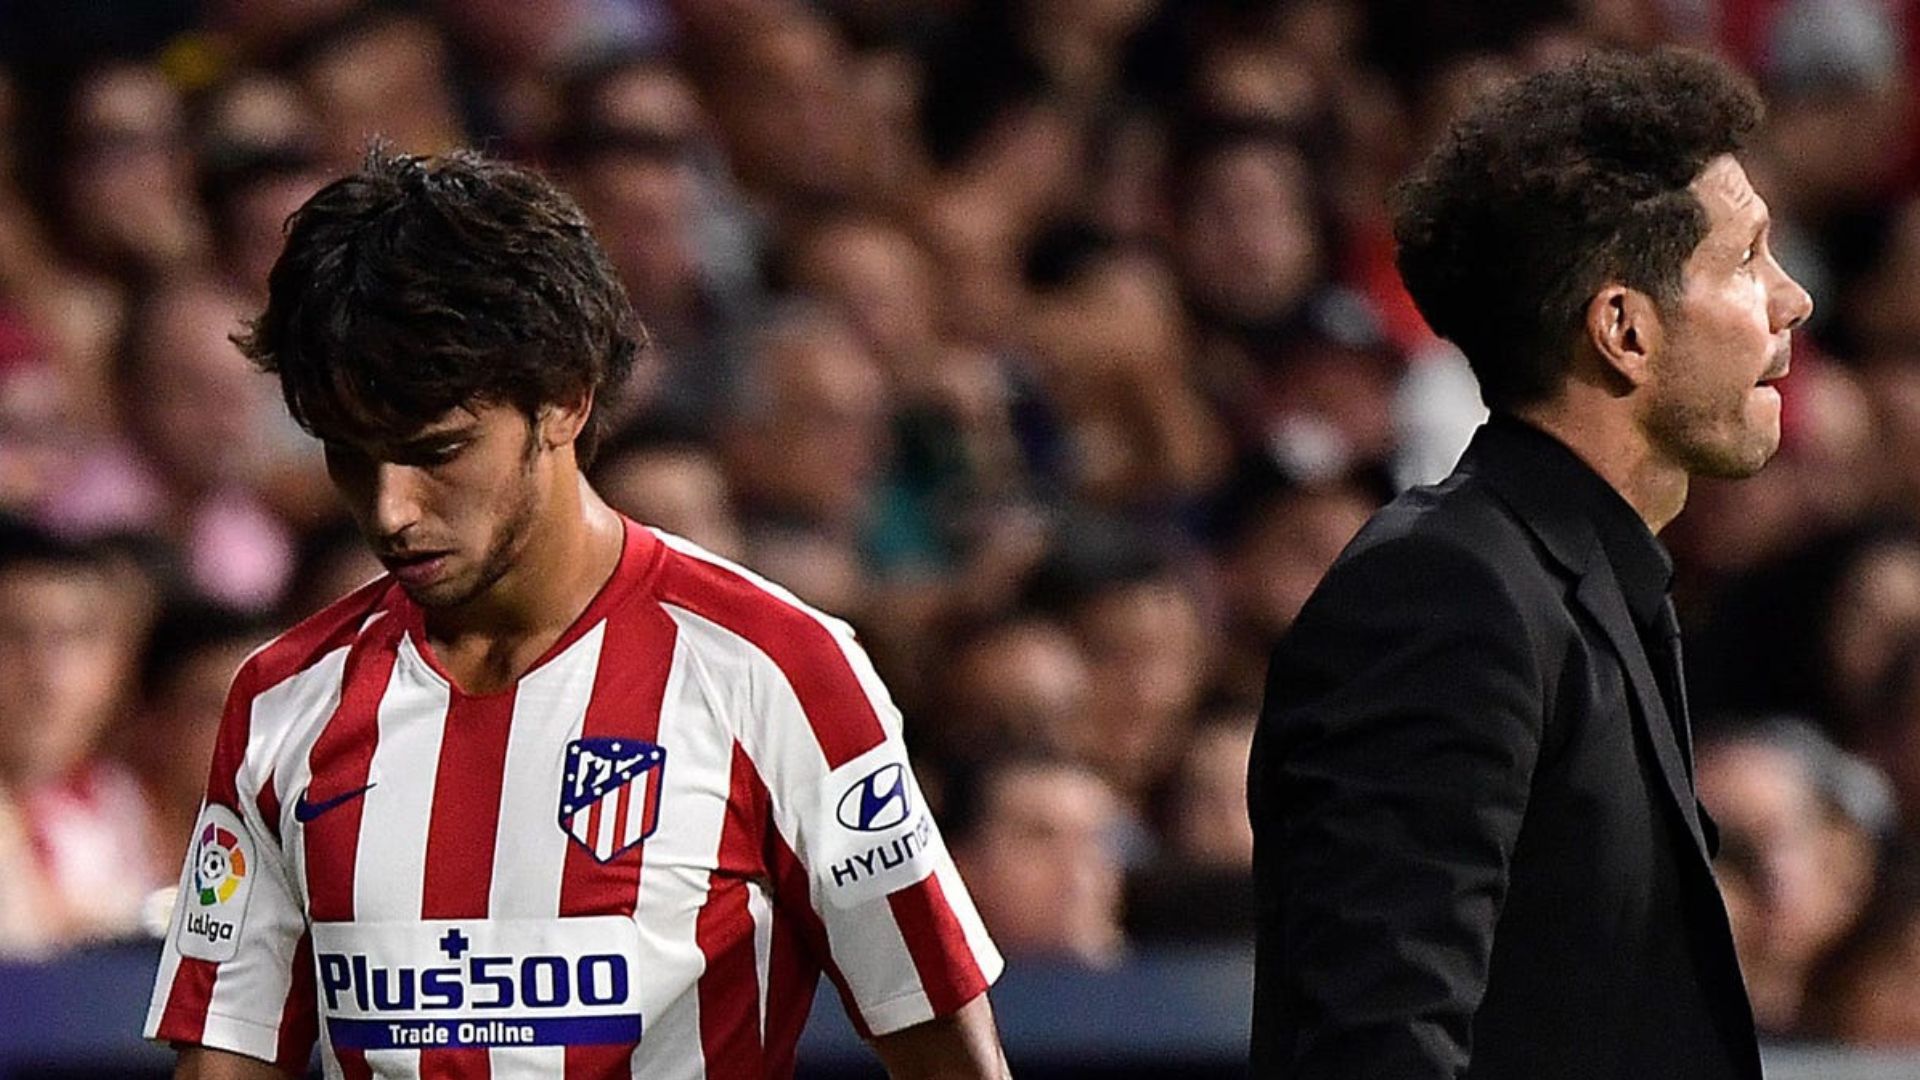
<point>416,570</point>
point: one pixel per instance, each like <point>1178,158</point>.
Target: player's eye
<point>1747,256</point>
<point>433,453</point>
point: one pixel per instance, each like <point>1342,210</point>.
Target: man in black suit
<point>1478,850</point>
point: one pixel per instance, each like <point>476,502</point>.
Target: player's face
<point>1710,408</point>
<point>448,510</point>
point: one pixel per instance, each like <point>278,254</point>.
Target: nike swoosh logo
<point>304,811</point>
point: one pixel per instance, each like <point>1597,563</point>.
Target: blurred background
<point>1055,344</point>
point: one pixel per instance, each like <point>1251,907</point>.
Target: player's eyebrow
<point>440,437</point>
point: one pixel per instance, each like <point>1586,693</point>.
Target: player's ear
<point>1623,326</point>
<point>561,422</point>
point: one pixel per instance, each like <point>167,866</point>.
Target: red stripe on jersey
<point>466,807</point>
<point>338,763</point>
<point>461,831</point>
<point>620,806</point>
<point>185,1018</point>
<point>299,1019</point>
<point>793,898</point>
<point>353,1064</point>
<point>729,988</point>
<point>593,822</point>
<point>945,962</point>
<point>315,636</point>
<point>636,654</point>
<point>792,978</point>
<point>807,653</point>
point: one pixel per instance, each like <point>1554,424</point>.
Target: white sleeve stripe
<point>241,1036</point>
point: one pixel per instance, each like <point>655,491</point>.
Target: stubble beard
<point>1713,439</point>
<point>504,551</point>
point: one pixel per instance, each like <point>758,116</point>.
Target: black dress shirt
<point>1640,563</point>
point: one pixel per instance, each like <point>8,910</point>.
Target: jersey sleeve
<point>863,855</point>
<point>235,969</point>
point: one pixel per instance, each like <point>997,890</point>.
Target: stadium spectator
<point>1205,860</point>
<point>1147,648</point>
<point>1021,681</point>
<point>381,72</point>
<point>1274,551</point>
<point>791,123</point>
<point>1039,841</point>
<point>200,426</point>
<point>1249,235</point>
<point>807,437</point>
<point>1801,827</point>
<point>124,174</point>
<point>188,662</point>
<point>1141,625</point>
<point>1862,992</point>
<point>67,644</point>
<point>1109,346</point>
<point>1814,631</point>
<point>672,485</point>
<point>250,189</point>
<point>635,147</point>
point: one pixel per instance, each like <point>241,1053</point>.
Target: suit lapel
<point>1599,595</point>
<point>1513,470</point>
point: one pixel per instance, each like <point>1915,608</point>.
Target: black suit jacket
<point>1477,847</point>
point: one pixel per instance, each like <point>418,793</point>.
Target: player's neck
<point>1604,435</point>
<point>569,556</point>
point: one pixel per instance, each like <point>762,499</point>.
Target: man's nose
<point>1791,304</point>
<point>396,498</point>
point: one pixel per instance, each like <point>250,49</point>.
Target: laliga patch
<point>876,837</point>
<point>219,881</point>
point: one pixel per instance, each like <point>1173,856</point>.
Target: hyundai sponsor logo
<point>878,802</point>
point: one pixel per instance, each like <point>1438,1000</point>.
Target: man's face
<point>199,402</point>
<point>1710,408</point>
<point>64,655</point>
<point>448,511</point>
<point>1042,866</point>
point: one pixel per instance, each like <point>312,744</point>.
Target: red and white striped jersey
<point>634,862</point>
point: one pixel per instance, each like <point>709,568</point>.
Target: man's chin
<point>437,595</point>
<point>1741,462</point>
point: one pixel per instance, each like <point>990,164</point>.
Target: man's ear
<point>561,423</point>
<point>1623,326</point>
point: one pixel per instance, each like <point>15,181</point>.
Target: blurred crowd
<point>1055,344</point>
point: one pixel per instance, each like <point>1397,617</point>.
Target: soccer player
<point>558,795</point>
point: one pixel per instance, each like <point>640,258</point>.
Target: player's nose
<point>395,498</point>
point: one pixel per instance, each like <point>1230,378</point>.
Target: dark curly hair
<point>421,284</point>
<point>1554,186</point>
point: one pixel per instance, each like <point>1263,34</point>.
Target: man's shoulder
<point>1450,562</point>
<point>1460,518</point>
<point>755,635</point>
<point>310,640</point>
<point>754,614</point>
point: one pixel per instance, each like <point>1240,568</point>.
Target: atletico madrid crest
<point>610,794</point>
